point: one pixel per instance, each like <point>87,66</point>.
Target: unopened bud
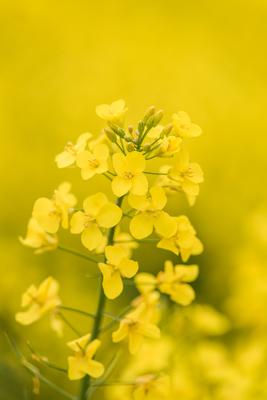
<point>130,129</point>
<point>128,138</point>
<point>158,117</point>
<point>166,130</point>
<point>130,147</point>
<point>141,126</point>
<point>119,131</point>
<point>151,111</point>
<point>110,135</point>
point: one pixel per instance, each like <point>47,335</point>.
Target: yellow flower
<point>39,301</point>
<point>38,239</point>
<point>150,215</point>
<point>187,176</point>
<point>184,241</point>
<point>116,267</point>
<point>82,362</point>
<point>50,213</point>
<point>130,176</point>
<point>151,387</point>
<point>69,155</point>
<point>98,213</point>
<point>93,162</point>
<point>169,146</point>
<point>183,127</point>
<point>135,327</point>
<point>151,303</point>
<point>114,112</point>
<point>173,281</point>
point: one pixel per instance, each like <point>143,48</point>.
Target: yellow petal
<point>92,347</point>
<point>77,222</point>
<point>115,254</point>
<point>149,330</point>
<point>119,163</point>
<point>94,368</point>
<point>140,203</point>
<point>121,186</point>
<point>139,393</point>
<point>183,294</point>
<point>109,215</point>
<point>46,215</point>
<point>101,151</point>
<point>79,343</point>
<point>186,273</point>
<point>74,369</point>
<point>91,237</point>
<point>112,282</point>
<point>168,244</point>
<point>136,162</point>
<point>158,197</point>
<point>165,225</point>
<point>93,204</point>
<point>141,226</point>
<point>65,159</point>
<point>29,316</point>
<point>128,268</point>
<point>121,333</point>
<point>139,185</point>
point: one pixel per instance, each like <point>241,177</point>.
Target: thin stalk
<point>155,173</point>
<point>86,382</point>
<point>76,253</point>
<point>64,319</point>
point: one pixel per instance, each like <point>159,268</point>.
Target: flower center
<point>94,163</point>
<point>128,175</point>
<point>70,148</point>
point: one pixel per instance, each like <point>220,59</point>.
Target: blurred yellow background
<point>59,59</point>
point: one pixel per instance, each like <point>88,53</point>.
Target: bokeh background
<point>59,59</point>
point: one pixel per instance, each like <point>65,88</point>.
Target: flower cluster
<point>122,156</point>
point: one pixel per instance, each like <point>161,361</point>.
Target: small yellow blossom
<point>151,303</point>
<point>98,213</point>
<point>152,387</point>
<point>93,162</point>
<point>38,239</point>
<point>183,127</point>
<point>116,267</point>
<point>49,213</point>
<point>135,327</point>
<point>82,362</point>
<point>150,215</point>
<point>69,156</point>
<point>169,146</point>
<point>130,176</point>
<point>114,112</point>
<point>39,301</point>
<point>187,176</point>
<point>173,281</point>
<point>184,241</point>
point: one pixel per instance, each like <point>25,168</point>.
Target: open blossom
<point>97,213</point>
<point>50,213</point>
<point>39,301</point>
<point>169,146</point>
<point>184,240</point>
<point>186,176</point>
<point>69,156</point>
<point>82,362</point>
<point>151,303</point>
<point>135,327</point>
<point>150,214</point>
<point>113,113</point>
<point>38,239</point>
<point>183,127</point>
<point>174,282</point>
<point>94,161</point>
<point>151,387</point>
<point>117,265</point>
<point>130,176</point>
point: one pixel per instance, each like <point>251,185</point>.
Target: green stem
<point>86,382</point>
<point>77,253</point>
<point>64,319</point>
<point>155,173</point>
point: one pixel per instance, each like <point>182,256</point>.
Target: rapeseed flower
<point>130,174</point>
<point>113,113</point>
<point>151,387</point>
<point>50,213</point>
<point>184,242</point>
<point>150,214</point>
<point>38,239</point>
<point>39,301</point>
<point>135,327</point>
<point>94,161</point>
<point>69,156</point>
<point>97,213</point>
<point>183,127</point>
<point>82,362</point>
<point>116,267</point>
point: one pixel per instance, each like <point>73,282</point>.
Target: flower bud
<point>149,113</point>
<point>119,131</point>
<point>110,135</point>
<point>130,147</point>
<point>166,130</point>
